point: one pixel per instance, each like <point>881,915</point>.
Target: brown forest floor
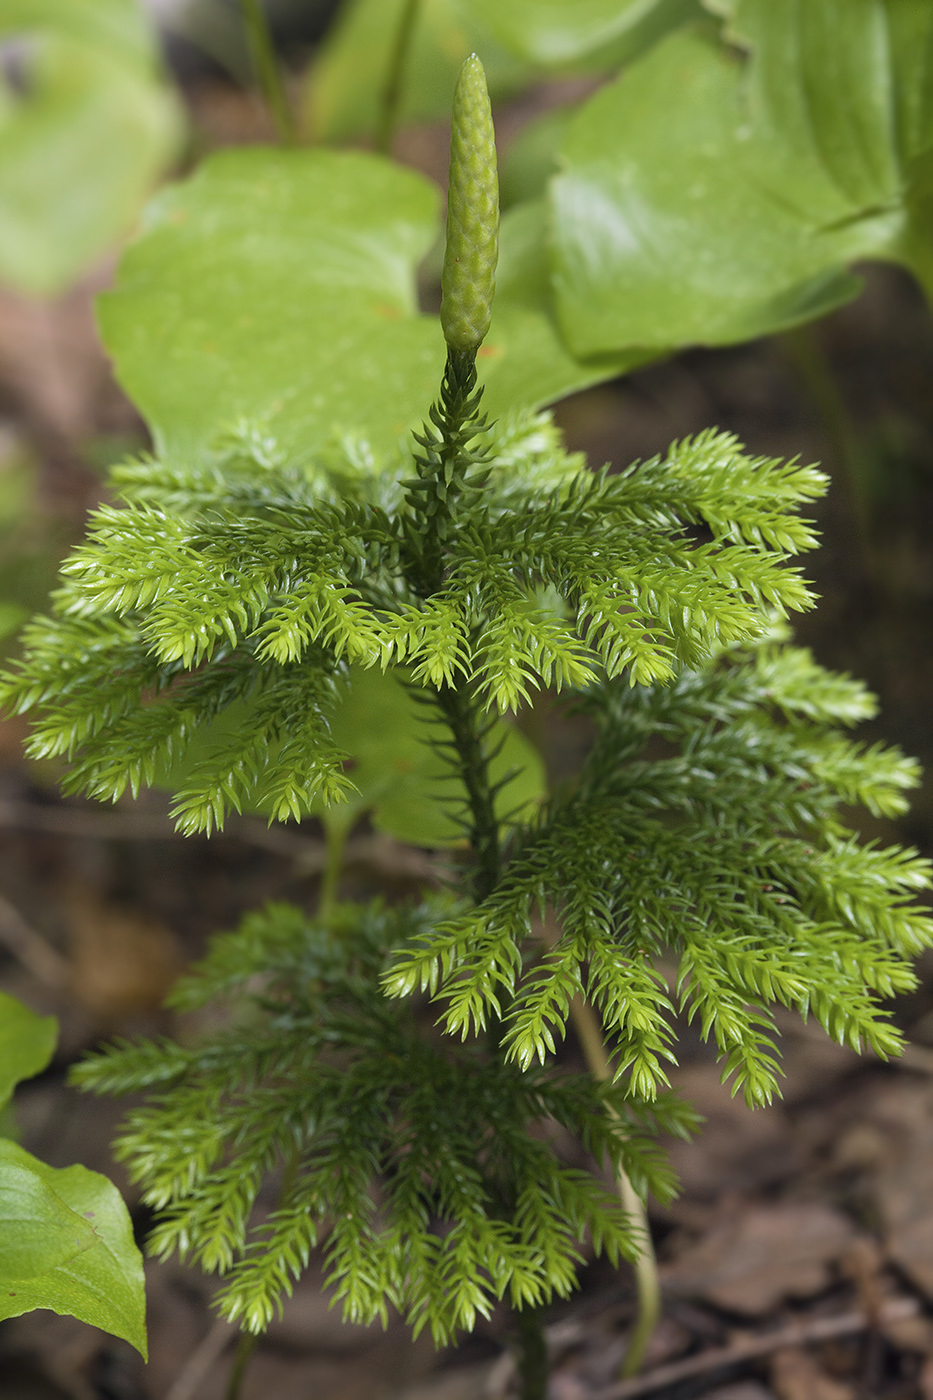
<point>798,1262</point>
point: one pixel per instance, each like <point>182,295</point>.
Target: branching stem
<point>443,468</point>
<point>647,1283</point>
<point>458,707</point>
<point>268,72</point>
<point>391,99</point>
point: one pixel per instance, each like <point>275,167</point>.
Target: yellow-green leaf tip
<point>469,278</point>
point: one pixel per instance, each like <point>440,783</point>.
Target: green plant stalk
<point>806,356</point>
<point>267,71</point>
<point>448,468</point>
<point>391,100</point>
<point>335,842</point>
<point>245,1347</point>
<point>442,477</point>
<point>647,1282</point>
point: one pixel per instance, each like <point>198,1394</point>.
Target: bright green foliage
<point>705,199</point>
<point>517,40</point>
<point>83,140</point>
<point>242,582</point>
<point>471,252</point>
<point>727,856</point>
<point>556,34</point>
<point>410,1156</point>
<point>66,1242</point>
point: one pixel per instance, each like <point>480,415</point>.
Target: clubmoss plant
<point>208,635</point>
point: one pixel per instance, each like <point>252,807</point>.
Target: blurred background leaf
<point>87,125</point>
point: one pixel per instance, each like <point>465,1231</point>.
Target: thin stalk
<point>806,356</point>
<point>267,71</point>
<point>335,839</point>
<point>458,708</point>
<point>241,1359</point>
<point>647,1282</point>
<point>391,98</point>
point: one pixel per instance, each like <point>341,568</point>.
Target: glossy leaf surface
<point>554,33</point>
<point>279,286</point>
<point>82,142</point>
<point>27,1043</point>
<point>66,1244</point>
<point>709,196</point>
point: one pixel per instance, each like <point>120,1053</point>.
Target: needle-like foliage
<point>704,832</point>
<point>244,583</point>
<point>203,638</point>
<point>326,1112</point>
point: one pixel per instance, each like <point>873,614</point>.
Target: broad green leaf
<point>27,1042</point>
<point>347,82</point>
<point>556,34</point>
<point>709,197</point>
<point>83,142</point>
<point>280,286</point>
<point>524,360</point>
<point>404,783</point>
<point>115,26</point>
<point>66,1243</point>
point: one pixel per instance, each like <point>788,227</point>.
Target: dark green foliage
<point>203,637</point>
<point>699,862</point>
<point>704,834</point>
<point>411,1155</point>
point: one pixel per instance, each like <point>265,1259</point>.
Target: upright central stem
<point>458,708</point>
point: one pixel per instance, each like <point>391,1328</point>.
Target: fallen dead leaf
<point>795,1375</point>
<point>760,1255</point>
<point>737,1149</point>
<point>122,959</point>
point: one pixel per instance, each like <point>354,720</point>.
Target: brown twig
<point>376,852</point>
<point>207,1353</point>
<point>33,951</point>
<point>796,1334</point>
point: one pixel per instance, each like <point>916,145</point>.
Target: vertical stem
<point>647,1283</point>
<point>532,1354</point>
<point>335,838</point>
<point>807,358</point>
<point>458,708</point>
<point>241,1359</point>
<point>391,98</point>
<point>267,71</point>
